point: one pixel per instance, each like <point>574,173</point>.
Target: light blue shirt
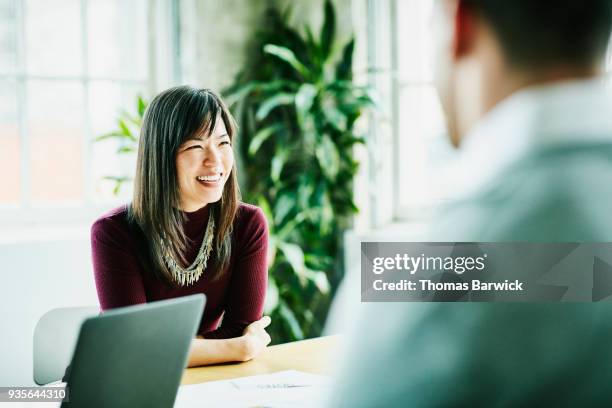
<point>538,167</point>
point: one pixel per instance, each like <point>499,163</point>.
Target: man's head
<point>488,49</point>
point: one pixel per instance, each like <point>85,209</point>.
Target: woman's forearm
<point>214,351</point>
<point>252,343</point>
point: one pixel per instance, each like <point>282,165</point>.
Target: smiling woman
<point>185,231</point>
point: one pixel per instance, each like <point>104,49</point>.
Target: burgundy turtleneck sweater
<point>237,296</point>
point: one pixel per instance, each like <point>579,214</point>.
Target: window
<point>67,68</point>
<point>420,129</point>
<point>408,144</point>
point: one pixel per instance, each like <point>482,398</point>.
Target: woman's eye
<point>194,147</point>
<point>225,142</point>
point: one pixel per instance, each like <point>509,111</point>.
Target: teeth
<point>215,177</point>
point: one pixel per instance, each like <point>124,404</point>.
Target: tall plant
<point>296,105</point>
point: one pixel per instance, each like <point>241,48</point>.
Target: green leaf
<point>235,95</point>
<point>273,102</point>
<point>125,129</point>
<point>351,139</point>
<point>320,280</point>
<point>289,317</point>
<point>295,256</point>
<point>317,261</point>
<point>119,181</point>
<point>327,215</point>
<point>272,297</point>
<point>117,178</point>
<point>288,56</point>
<point>272,249</point>
<point>335,117</point>
<point>305,98</point>
<point>261,136</point>
<point>328,157</point>
<point>142,106</point>
<point>267,210</point>
<point>328,29</point>
<point>278,162</point>
<point>305,190</point>
<point>136,121</point>
<point>283,205</point>
<point>345,66</point>
<point>113,135</point>
<point>126,149</point>
<point>310,40</point>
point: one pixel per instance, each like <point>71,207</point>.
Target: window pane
<point>107,99</point>
<point>414,40</point>
<point>9,144</point>
<point>55,126</point>
<point>53,37</point>
<point>8,31</point>
<point>423,146</point>
<point>117,38</point>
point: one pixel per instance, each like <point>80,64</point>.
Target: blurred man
<point>522,88</point>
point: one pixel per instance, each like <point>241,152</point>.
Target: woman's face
<point>203,165</point>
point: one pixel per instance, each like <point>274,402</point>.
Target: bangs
<point>207,110</point>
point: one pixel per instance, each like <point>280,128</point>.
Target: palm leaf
<point>328,29</point>
<point>285,54</point>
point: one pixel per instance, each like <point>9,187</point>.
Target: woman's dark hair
<point>173,117</point>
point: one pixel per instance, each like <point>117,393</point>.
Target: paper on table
<point>290,388</point>
<point>281,379</point>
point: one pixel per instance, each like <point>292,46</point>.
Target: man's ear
<point>464,29</point>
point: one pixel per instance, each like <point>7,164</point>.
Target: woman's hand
<point>255,339</point>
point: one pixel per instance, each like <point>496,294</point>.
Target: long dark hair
<point>173,117</point>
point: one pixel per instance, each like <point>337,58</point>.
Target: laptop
<point>133,356</point>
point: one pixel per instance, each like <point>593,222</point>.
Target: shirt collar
<point>570,112</point>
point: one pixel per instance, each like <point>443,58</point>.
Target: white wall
<point>215,35</point>
<point>37,276</point>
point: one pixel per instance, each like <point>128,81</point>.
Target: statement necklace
<point>190,275</point>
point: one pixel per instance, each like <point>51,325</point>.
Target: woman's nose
<point>213,156</point>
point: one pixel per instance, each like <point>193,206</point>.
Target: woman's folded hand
<point>255,339</point>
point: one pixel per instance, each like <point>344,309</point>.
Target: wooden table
<point>313,356</point>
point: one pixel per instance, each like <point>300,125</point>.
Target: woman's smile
<point>210,180</point>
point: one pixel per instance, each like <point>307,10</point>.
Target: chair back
<point>55,337</point>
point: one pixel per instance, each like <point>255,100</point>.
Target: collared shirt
<point>570,112</point>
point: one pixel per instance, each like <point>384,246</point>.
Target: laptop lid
<point>134,356</point>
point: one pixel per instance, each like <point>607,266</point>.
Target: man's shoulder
<point>550,196</point>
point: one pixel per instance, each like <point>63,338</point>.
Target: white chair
<point>55,337</point>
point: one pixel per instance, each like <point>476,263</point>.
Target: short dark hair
<point>544,33</point>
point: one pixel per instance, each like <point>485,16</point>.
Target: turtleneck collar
<point>195,221</point>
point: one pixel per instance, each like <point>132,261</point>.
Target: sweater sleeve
<point>248,284</point>
<point>115,265</point>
